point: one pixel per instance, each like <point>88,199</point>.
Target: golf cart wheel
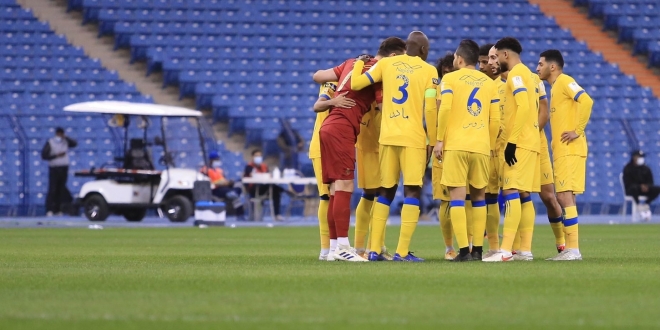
<point>96,208</point>
<point>135,215</point>
<point>178,208</point>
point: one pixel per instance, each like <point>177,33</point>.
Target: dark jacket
<point>634,176</point>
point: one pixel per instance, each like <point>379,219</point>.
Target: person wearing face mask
<point>638,181</point>
<point>55,151</point>
<point>257,165</point>
<point>223,188</point>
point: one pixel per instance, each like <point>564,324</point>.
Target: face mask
<point>640,161</point>
<point>215,164</point>
<point>258,160</point>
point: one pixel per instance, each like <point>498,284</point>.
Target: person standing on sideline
<point>55,151</point>
<point>638,181</point>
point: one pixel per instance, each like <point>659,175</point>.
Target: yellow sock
<point>526,227</point>
<point>493,223</point>
<point>380,213</point>
<point>323,224</point>
<point>571,227</point>
<point>445,224</point>
<point>558,229</point>
<point>469,219</point>
<point>459,223</point>
<point>516,240</point>
<point>511,221</point>
<point>382,237</point>
<point>362,220</point>
<point>409,219</point>
<point>479,215</point>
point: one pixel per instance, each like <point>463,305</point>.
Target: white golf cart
<point>130,185</point>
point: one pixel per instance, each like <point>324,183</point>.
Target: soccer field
<point>269,278</point>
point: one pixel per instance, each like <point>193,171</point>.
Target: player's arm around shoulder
<point>361,80</point>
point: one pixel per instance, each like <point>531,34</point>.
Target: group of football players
<point>482,131</point>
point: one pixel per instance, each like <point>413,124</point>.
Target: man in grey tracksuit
<point>55,151</point>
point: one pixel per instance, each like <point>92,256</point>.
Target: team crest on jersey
<point>435,81</point>
<point>405,67</point>
<point>331,86</point>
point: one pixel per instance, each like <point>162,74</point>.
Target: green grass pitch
<point>269,278</point>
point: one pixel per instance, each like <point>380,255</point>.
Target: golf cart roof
<point>128,108</point>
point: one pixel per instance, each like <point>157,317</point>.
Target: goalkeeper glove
<point>510,154</point>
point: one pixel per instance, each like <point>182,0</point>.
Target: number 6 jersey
<point>409,90</point>
<point>469,116</point>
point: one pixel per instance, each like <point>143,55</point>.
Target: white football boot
<point>347,253</point>
<point>498,257</point>
<point>330,256</point>
<point>523,256</point>
<point>490,253</point>
<point>567,255</point>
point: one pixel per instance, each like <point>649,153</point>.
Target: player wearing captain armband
<point>338,135</point>
<point>409,92</point>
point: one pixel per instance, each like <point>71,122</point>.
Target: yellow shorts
<point>464,167</point>
<point>368,169</point>
<point>570,172</point>
<point>494,176</point>
<point>546,165</point>
<point>323,188</point>
<point>439,191</point>
<point>522,174</point>
<point>397,160</point>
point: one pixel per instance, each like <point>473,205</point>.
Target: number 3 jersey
<point>409,87</point>
<point>469,118</point>
<point>363,99</point>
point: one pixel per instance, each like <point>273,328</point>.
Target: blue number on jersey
<point>402,89</point>
<point>472,100</point>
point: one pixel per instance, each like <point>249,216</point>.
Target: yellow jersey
<point>326,91</point>
<point>521,120</point>
<point>501,90</point>
<point>469,112</point>
<point>566,98</point>
<point>409,91</point>
<point>367,140</point>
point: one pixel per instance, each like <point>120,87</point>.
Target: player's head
<point>417,45</point>
<point>467,54</point>
<point>484,65</point>
<point>391,46</point>
<point>493,61</point>
<point>445,65</point>
<point>551,62</point>
<point>59,131</point>
<point>508,50</point>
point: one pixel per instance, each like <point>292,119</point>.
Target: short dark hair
<point>509,43</point>
<point>553,55</point>
<point>255,151</point>
<point>484,49</point>
<point>444,62</point>
<point>469,51</point>
<point>59,130</point>
<point>392,45</point>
